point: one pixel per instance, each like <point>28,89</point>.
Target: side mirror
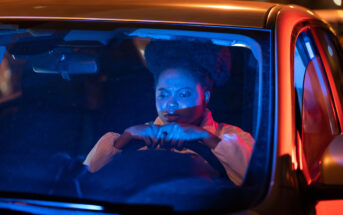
<point>331,185</point>
<point>332,162</point>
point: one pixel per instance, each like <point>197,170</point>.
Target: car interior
<point>60,116</point>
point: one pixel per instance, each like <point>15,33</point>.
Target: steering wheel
<point>134,170</point>
<point>202,150</point>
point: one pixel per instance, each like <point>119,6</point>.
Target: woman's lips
<point>171,117</point>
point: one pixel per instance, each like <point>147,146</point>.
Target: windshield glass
<point>132,115</point>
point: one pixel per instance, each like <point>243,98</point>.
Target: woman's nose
<point>172,105</point>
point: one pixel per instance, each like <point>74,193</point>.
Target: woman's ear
<point>207,96</point>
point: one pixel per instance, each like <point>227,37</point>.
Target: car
<point>148,106</point>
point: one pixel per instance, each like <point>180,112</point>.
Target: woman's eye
<point>162,95</point>
<point>185,94</point>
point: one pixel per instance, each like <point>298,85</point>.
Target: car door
<point>318,93</point>
<point>331,54</point>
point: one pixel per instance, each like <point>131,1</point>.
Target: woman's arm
<point>234,151</point>
<point>102,153</point>
<point>112,143</point>
<point>211,141</point>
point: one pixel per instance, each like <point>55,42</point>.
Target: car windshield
<point>133,115</point>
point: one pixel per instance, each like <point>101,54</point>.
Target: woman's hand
<point>173,135</point>
<point>146,133</point>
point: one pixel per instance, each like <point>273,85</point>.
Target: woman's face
<point>179,97</point>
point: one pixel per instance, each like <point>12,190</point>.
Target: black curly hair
<point>207,62</point>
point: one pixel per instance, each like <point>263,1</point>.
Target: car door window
<point>318,122</point>
<point>333,56</point>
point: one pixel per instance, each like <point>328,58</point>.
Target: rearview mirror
<point>64,63</point>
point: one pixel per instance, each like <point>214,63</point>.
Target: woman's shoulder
<point>149,123</point>
<point>229,128</point>
<point>225,128</point>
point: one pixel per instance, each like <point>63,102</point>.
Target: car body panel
<point>281,19</point>
<point>285,41</point>
<point>199,11</point>
<point>288,22</point>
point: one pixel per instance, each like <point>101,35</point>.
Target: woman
<point>183,84</point>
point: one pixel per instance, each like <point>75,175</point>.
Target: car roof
<point>218,12</point>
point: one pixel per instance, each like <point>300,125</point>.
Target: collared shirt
<point>233,150</point>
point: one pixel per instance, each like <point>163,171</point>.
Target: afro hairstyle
<point>207,62</point>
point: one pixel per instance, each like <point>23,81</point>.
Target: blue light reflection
<point>67,205</point>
